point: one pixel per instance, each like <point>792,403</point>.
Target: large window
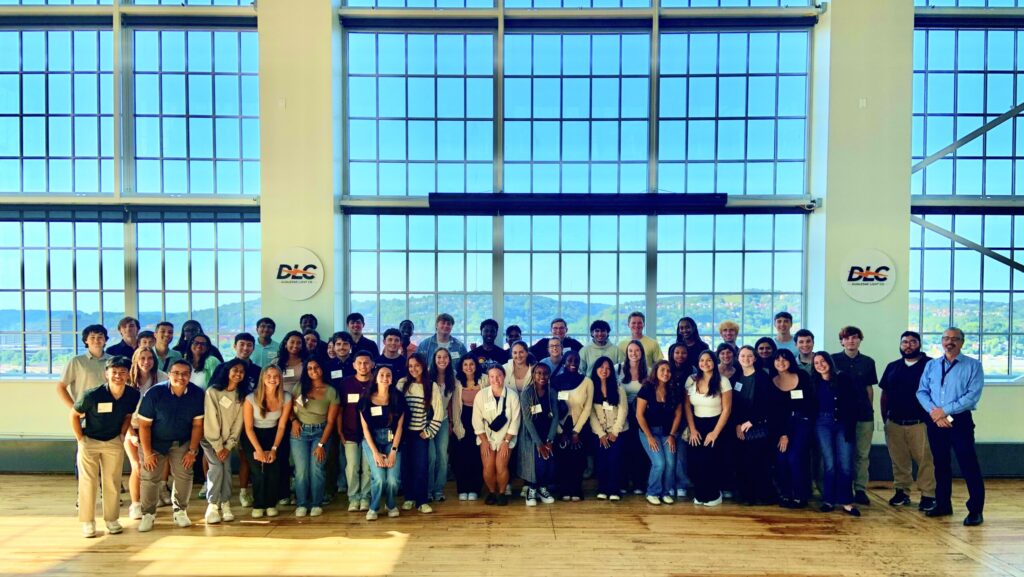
<point>420,114</point>
<point>56,117</point>
<point>414,267</point>
<point>733,113</point>
<point>576,112</point>
<point>202,266</point>
<point>742,268</point>
<point>196,112</point>
<point>59,272</point>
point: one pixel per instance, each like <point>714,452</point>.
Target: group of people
<point>755,423</point>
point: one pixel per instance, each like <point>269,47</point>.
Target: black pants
<point>284,453</point>
<point>754,470</point>
<point>636,463</point>
<point>959,438</point>
<point>704,463</point>
<point>266,478</point>
<point>570,460</point>
<point>469,469</point>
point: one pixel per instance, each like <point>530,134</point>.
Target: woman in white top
<point>632,374</point>
<point>518,369</point>
<point>496,423</point>
<point>707,408</point>
<point>142,376</point>
<point>266,413</point>
<point>202,360</point>
<point>608,421</point>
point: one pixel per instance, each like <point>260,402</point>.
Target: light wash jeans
<point>310,474</point>
<point>662,480</point>
<point>382,481</point>
<point>439,461</point>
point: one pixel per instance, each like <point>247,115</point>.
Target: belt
<point>906,422</point>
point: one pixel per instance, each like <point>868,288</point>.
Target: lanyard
<point>946,371</point>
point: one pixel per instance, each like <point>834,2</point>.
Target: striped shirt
<point>419,419</point>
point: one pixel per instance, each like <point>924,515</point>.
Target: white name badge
<point>225,402</point>
<point>105,407</point>
<point>606,406</point>
<point>455,355</point>
<point>336,374</point>
<point>376,411</point>
<point>536,409</point>
<point>737,387</point>
<point>289,373</point>
<point>796,394</point>
<point>563,395</point>
<point>299,401</point>
<point>391,435</point>
<point>353,397</point>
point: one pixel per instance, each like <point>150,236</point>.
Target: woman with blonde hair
<point>266,414</point>
<point>142,376</point>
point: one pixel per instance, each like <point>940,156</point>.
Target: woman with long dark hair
<point>426,409</point>
<point>189,329</point>
<point>836,429</point>
<point>315,412</point>
<point>537,436</point>
<point>608,420</point>
<point>757,420</point>
<point>708,405</point>
<point>468,467</point>
<point>382,411</point>
<point>632,376</point>
<point>574,393</point>
<point>658,415</point>
<point>442,373</point>
<point>797,402</point>
<point>682,369</point>
<point>765,348</point>
<point>203,363</point>
<point>290,356</point>
<point>222,431</point>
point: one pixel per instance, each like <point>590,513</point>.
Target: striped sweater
<point>418,414</point>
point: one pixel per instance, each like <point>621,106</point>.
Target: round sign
<point>868,275</point>
<point>298,273</point>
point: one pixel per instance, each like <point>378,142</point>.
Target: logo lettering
<point>296,272</point>
<point>865,274</point>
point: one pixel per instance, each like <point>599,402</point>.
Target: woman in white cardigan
<point>496,423</point>
<point>608,421</point>
<point>518,370</point>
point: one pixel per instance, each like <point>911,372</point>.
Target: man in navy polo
<point>170,428</point>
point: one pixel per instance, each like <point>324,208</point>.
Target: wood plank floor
<point>39,535</point>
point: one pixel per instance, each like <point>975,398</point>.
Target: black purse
<point>501,420</point>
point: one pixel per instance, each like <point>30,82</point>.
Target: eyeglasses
<point>200,344</point>
<point>180,374</point>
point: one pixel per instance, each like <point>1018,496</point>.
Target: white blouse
<point>486,409</point>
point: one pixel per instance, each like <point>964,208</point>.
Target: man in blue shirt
<point>950,389</point>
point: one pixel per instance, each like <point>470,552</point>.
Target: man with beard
<point>686,333</point>
<point>599,347</point>
<point>906,434</point>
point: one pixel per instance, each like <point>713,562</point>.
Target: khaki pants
<point>99,462</point>
<point>862,459</point>
<point>909,444</point>
<point>181,479</point>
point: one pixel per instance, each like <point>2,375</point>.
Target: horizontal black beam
<point>980,209</point>
<point>947,20</point>
<point>507,203</point>
<point>673,23</point>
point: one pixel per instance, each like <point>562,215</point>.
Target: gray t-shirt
<point>269,420</point>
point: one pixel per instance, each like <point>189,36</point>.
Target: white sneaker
<point>667,500</point>
<point>602,496</point>
<point>393,512</point>
<point>114,528</point>
<point>353,506</point>
<point>257,513</point>
<point>371,515</point>
<point>146,524</point>
<point>697,502</point>
<point>545,496</point>
<point>408,505</point>
<point>638,492</point>
<point>181,518</point>
<point>165,495</point>
<point>283,502</point>
<point>135,511</point>
<point>614,497</point>
<point>89,530</point>
<point>463,496</point>
<point>653,500</point>
<point>508,490</point>
<point>472,497</point>
<point>681,493</point>
<point>301,511</point>
<point>272,512</point>
<point>364,505</point>
<point>715,502</point>
<point>316,511</point>
<point>425,508</point>
<point>212,515</point>
<point>576,498</point>
<point>225,512</point>
<point>531,498</point>
<point>523,493</point>
<point>244,499</point>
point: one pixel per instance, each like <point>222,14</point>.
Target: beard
<point>910,354</point>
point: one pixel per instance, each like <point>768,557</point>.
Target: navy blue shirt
<point>398,367</point>
<point>122,349</point>
<point>105,415</point>
<point>172,416</point>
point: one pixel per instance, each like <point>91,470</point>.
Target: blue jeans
<point>439,461</point>
<point>682,479</point>
<point>791,467</point>
<point>310,474</point>
<point>837,454</point>
<point>661,481</point>
<point>384,481</point>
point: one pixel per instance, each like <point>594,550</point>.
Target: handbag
<point>501,420</point>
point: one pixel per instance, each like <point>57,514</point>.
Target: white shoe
<point>408,505</point>
<point>272,512</point>
<point>472,497</point>
<point>638,492</point>
<point>244,499</point>
<point>614,497</point>
<point>681,493</point>
<point>602,496</point>
<point>316,511</point>
<point>715,502</point>
<point>212,515</point>
<point>114,528</point>
<point>727,494</point>
<point>146,524</point>
<point>283,502</point>
<point>524,492</point>
<point>393,512</point>
<point>353,506</point>
<point>181,518</point>
<point>667,500</point>
<point>257,513</point>
<point>135,511</point>
<point>425,508</point>
<point>508,490</point>
<point>698,503</point>
<point>576,498</point>
<point>653,500</point>
<point>364,505</point>
<point>89,529</point>
<point>165,494</point>
<point>545,496</point>
<point>531,498</point>
<point>463,496</point>
<point>301,511</point>
<point>225,512</point>
<point>371,515</point>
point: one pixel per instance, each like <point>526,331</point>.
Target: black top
<point>799,402</point>
<point>387,417</point>
<point>337,371</point>
<point>399,369</point>
<point>838,399</point>
<point>754,399</point>
<point>121,349</point>
<point>693,351</point>
<point>172,415</point>
<point>182,348</point>
<point>367,345</point>
<point>540,349</point>
<point>659,414</point>
<point>861,370</point>
<point>483,357</point>
<point>900,383</point>
<point>105,415</point>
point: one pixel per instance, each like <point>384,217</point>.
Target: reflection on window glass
<point>743,268</point>
<point>202,266</point>
<point>954,285</point>
<point>60,271</point>
<point>964,79</point>
<point>576,113</point>
<point>421,114</point>
<point>733,113</point>
<point>56,123</point>
<point>415,267</point>
<point>196,112</point>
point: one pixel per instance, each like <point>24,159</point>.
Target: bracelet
<point>274,448</point>
<point>319,445</point>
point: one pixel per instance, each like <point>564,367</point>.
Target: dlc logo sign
<point>298,273</point>
<point>868,275</point>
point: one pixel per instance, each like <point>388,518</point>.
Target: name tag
<point>455,355</point>
<point>225,402</point>
<point>796,394</point>
<point>738,387</point>
<point>289,373</point>
<point>299,401</point>
<point>105,407</point>
<point>563,395</point>
<point>606,406</point>
<point>353,397</point>
<point>536,409</point>
<point>391,435</point>
<point>376,411</point>
<point>336,374</point>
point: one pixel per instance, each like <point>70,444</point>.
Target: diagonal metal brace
<point>968,243</point>
<point>968,138</point>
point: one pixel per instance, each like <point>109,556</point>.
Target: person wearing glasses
<point>201,359</point>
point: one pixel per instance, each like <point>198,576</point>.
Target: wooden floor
<point>39,535</point>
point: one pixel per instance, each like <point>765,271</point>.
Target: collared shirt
<point>900,382</point>
<point>84,372</point>
<point>430,345</point>
<point>164,363</point>
<point>104,415</point>
<point>121,349</point>
<point>807,367</point>
<point>954,387</point>
<point>861,370</point>
<point>264,355</point>
<point>172,416</point>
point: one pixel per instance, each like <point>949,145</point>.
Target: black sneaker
<point>502,499</point>
<point>491,499</point>
<point>826,508</point>
<point>861,498</point>
<point>852,511</point>
<point>926,503</point>
<point>973,520</point>
<point>939,512</point>
<point>900,498</point>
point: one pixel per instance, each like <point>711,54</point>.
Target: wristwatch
<point>274,448</point>
<point>194,452</point>
<point>319,445</point>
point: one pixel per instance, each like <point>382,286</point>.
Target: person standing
<point>128,327</point>
<point>861,370</point>
<point>392,356</point>
<point>425,404</point>
<point>382,411</point>
<point>350,431</point>
<point>659,414</point>
<point>795,397</point>
<point>783,338</point>
<point>107,411</point>
<point>950,390</point>
<point>687,334</point>
<point>560,331</point>
<point>805,350</point>
<point>632,376</point>
<point>729,330</point>
<point>756,415</point>
<point>314,416</point>
<point>600,346</point>
<point>708,404</point>
<point>443,339</point>
<point>468,464</point>
<point>652,350</point>
<point>574,393</point>
<point>539,431</point>
<point>87,370</point>
<point>408,329</point>
<point>442,373</point>
<point>266,414</point>
<point>906,431</point>
<point>608,420</point>
<point>488,353</point>
<point>222,430</point>
<point>265,349</point>
<point>355,322</point>
<point>165,354</point>
<point>835,428</point>
<point>496,415</point>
